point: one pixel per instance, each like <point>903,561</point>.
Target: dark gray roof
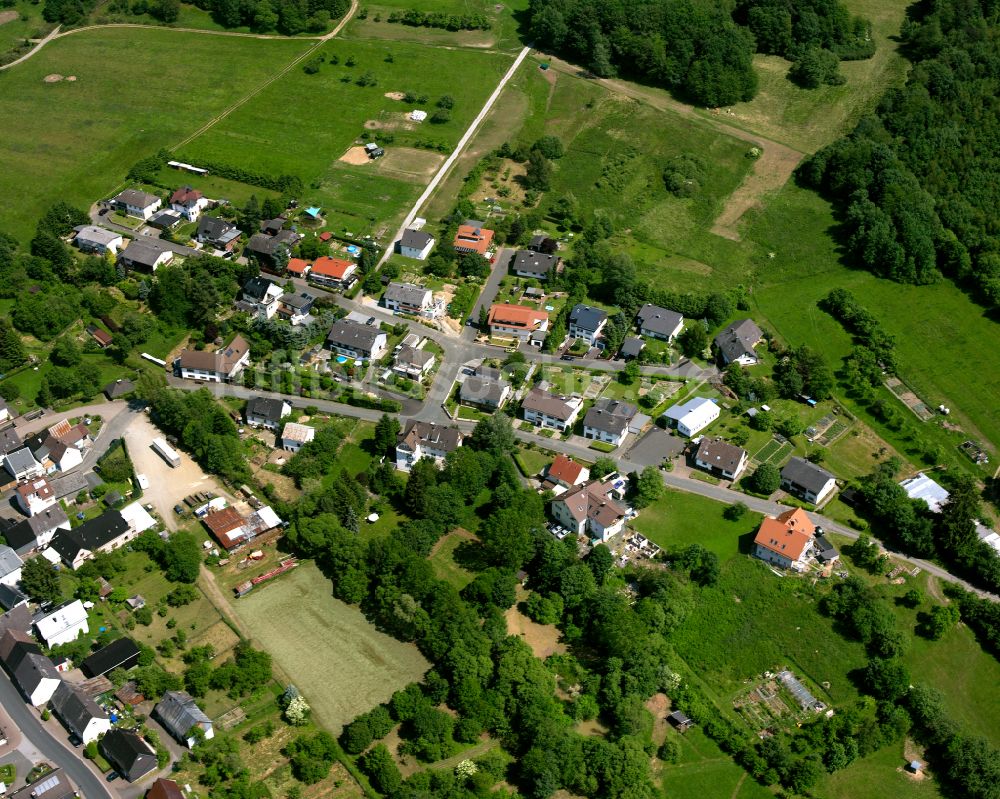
<point>17,617</point>
<point>165,219</point>
<point>211,227</point>
<point>91,535</point>
<point>658,320</point>
<point>413,356</point>
<point>434,436</point>
<point>128,753</point>
<point>353,336</point>
<point>587,317</point>
<point>824,549</point>
<point>121,652</point>
<point>32,669</point>
<point>143,252</point>
<point>36,526</point>
<point>405,293</point>
<point>54,785</point>
<point>547,403</point>
<point>297,301</point>
<point>178,712</point>
<point>9,440</point>
<point>720,454</point>
<point>739,339</point>
<point>256,288</point>
<point>534,262</point>
<point>11,598</point>
<point>806,474</point>
<point>632,346</point>
<point>262,244</point>
<point>119,388</point>
<point>75,708</point>
<point>610,415</point>
<point>417,239</point>
<point>268,408</point>
<point>20,460</point>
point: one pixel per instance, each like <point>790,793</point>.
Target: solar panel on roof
<point>47,785</point>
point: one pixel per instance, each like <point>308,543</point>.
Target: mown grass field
<point>76,141</point>
<point>340,662</point>
<point>706,772</point>
<point>877,776</point>
<point>679,519</point>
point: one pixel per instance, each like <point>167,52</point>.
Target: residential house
<point>21,464</point>
<point>631,347</point>
<point>356,340</point>
<point>592,508</point>
<point>425,440</point>
<point>517,321</point>
<point>692,416</point>
<point>413,363</point>
<point>11,639</point>
<point>736,344</point>
<point>133,202</point>
<point>659,323</point>
<point>222,366</point>
<point>807,481</point>
<point>33,673</point>
<point>543,243</point>
<point>587,322</point>
<point>36,532</point>
<point>721,458</point>
<point>9,440</point>
<point>164,789</point>
<point>53,785</point>
<point>266,412</point>
<point>264,295</point>
<point>609,420</point>
<point>217,233</point>
<point>128,754</point>
<point>54,454</point>
<point>93,239</point>
<point>35,496</point>
<point>273,227</point>
<point>408,298</point>
<point>118,389</point>
<point>485,388</point>
<point>298,267</point>
<point>5,412</point>
<point>566,473</point>
<point>179,714</point>
<point>62,624</point>
<point>188,202</point>
<point>786,541</point>
<point>536,265</point>
<point>544,409</point>
<point>165,219</point>
<point>12,601</point>
<point>145,255</point>
<point>105,533</point>
<point>272,250</point>
<point>295,308</point>
<point>416,244</point>
<point>76,435</point>
<point>10,566</point>
<point>332,271</point>
<point>295,436</point>
<point>122,653</point>
<point>472,237</point>
<point>81,715</point>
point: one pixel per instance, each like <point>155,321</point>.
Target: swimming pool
<point>353,250</point>
<point>341,359</point>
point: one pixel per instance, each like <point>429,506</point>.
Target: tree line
<point>285,16</point>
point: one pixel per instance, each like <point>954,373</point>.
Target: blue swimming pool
<point>341,359</point>
<point>353,250</point>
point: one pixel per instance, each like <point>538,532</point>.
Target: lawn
<point>531,462</point>
<point>28,24</point>
<point>706,772</point>
<point>340,662</point>
<point>875,777</point>
<point>442,558</point>
<point>78,139</point>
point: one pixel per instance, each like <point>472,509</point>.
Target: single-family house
<point>536,265</point>
<point>21,464</point>
<point>10,566</point>
<point>264,295</point>
<point>62,624</point>
<point>272,227</point>
<point>145,255</point>
<point>122,653</point>
<point>295,436</point>
<point>188,202</point>
<point>413,363</point>
<point>517,321</point>
<point>356,340</point>
<point>659,323</point>
<point>721,458</point>
<point>609,420</point>
<point>52,785</point>
<point>273,250</point>
<point>587,322</point>
<point>165,219</point>
<point>416,244</point>
<point>36,495</point>
<point>544,409</point>
<point>33,673</point>
<point>179,714</point>
<point>786,541</point>
<point>81,715</point>
<point>133,202</point>
<point>592,508</point>
<point>105,533</point>
<point>36,532</point>
<point>90,238</point>
<point>266,412</point>
<point>10,639</point>
<point>9,440</point>
<point>807,481</point>
<point>737,343</point>
<point>408,298</point>
<point>295,308</point>
<point>425,440</point>
<point>566,473</point>
<point>486,388</point>
<point>54,454</point>
<point>164,789</point>
<point>332,271</point>
<point>631,347</point>
<point>222,366</point>
<point>217,233</point>
<point>692,416</point>
<point>298,267</point>
<point>472,237</point>
<point>128,754</point>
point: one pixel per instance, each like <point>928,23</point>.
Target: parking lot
<point>167,485</point>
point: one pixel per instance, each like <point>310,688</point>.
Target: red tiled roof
<point>326,235</point>
<point>788,535</point>
<point>331,267</point>
<point>565,470</point>
<point>185,195</point>
<point>297,266</point>
<point>516,316</point>
<point>473,238</point>
<point>39,486</point>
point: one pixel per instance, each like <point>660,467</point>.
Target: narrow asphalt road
<point>501,262</point>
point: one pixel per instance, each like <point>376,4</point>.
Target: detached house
<point>721,458</point>
<point>807,481</point>
<point>266,412</point>
<point>295,436</point>
<point>105,533</point>
<point>188,202</point>
<point>564,473</point>
<point>332,271</point>
<point>133,202</point>
<point>81,715</point>
<point>35,496</point>
<point>592,508</point>
<point>544,409</point>
<point>485,388</point>
<point>356,340</point>
<point>264,295</point>
<point>63,624</point>
<point>472,237</point>
<point>222,366</point>
<point>90,238</point>
<point>145,255</point>
<point>217,233</point>
<point>536,265</point>
<point>786,541</point>
<point>425,440</point>
<point>587,322</point>
<point>179,714</point>
<point>416,244</point>
<point>736,344</point>
<point>413,363</point>
<point>129,754</point>
<point>408,298</point>
<point>295,308</point>
<point>518,321</point>
<point>692,416</point>
<point>609,420</point>
<point>659,323</point>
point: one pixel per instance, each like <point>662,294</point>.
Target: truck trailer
<point>165,451</point>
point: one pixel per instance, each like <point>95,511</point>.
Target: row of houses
<point>58,449</point>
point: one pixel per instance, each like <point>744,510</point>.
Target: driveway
<point>656,445</point>
<point>500,264</point>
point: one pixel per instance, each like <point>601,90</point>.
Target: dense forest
<point>702,49</point>
<point>917,183</point>
<point>286,16</point>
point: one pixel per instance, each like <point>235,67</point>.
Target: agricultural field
<point>79,138</point>
<point>340,662</point>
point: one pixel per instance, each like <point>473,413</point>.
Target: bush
<point>766,479</point>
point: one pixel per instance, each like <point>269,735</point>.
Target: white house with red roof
<point>188,202</point>
<point>786,541</point>
<point>332,271</point>
<point>564,473</point>
<point>35,496</point>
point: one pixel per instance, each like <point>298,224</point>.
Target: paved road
<point>489,292</point>
<point>90,784</point>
